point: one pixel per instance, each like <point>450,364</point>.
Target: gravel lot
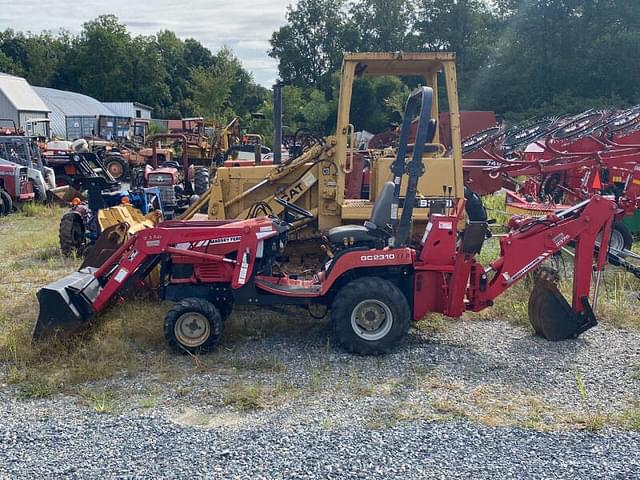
<point>480,399</point>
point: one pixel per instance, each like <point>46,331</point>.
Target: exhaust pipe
<point>66,305</point>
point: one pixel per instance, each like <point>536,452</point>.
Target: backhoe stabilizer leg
<point>66,305</point>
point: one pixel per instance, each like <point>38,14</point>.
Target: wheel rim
<point>617,240</point>
<point>115,169</point>
<point>371,320</point>
<point>192,329</point>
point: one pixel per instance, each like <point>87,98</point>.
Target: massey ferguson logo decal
<point>217,241</point>
<point>560,239</point>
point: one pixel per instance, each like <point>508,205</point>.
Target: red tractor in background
<point>375,281</point>
<point>15,187</point>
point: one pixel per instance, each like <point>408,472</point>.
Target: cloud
<point>244,25</point>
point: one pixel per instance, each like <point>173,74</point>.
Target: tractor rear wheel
<point>193,325</point>
<point>200,180</point>
<point>71,233</point>
<point>117,167</point>
<point>370,316</point>
<point>6,203</point>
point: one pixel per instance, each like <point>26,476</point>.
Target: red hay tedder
<point>564,161</point>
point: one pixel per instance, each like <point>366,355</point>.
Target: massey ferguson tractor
<point>376,277</point>
<point>15,187</point>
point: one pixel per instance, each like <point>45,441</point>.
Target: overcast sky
<point>243,25</point>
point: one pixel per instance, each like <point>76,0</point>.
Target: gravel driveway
<point>482,399</point>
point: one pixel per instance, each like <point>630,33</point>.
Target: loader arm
<point>70,303</point>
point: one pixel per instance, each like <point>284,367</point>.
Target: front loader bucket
<point>63,195</point>
<point>66,304</point>
<point>551,315</point>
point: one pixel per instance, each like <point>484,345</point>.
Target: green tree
<point>149,81</point>
<point>7,65</point>
<point>309,48</point>
<point>378,30</point>
<point>101,63</point>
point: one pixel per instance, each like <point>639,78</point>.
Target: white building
<point>133,110</point>
<point>74,115</point>
<point>19,102</point>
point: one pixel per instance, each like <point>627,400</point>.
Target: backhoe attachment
<point>551,315</point>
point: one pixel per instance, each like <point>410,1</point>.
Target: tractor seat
<point>372,230</point>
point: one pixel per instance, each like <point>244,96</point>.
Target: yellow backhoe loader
<point>319,180</point>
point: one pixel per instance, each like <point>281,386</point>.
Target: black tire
<point>474,206</point>
<point>381,297</point>
<point>71,234</point>
<point>117,167</point>
<point>200,180</point>
<point>620,235</point>
<point>137,178</point>
<point>41,195</point>
<point>6,203</point>
<point>193,316</point>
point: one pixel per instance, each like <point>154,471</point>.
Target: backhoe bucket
<point>551,315</point>
<point>66,304</point>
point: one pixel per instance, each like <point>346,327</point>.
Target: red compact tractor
<point>375,280</point>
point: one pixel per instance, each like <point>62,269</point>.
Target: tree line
<point>520,58</point>
<point>176,77</point>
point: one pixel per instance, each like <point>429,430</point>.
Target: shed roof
<point>21,95</point>
<point>72,104</point>
<point>134,104</point>
<point>65,104</point>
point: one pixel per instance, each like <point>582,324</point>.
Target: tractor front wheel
<point>40,194</point>
<point>370,316</point>
<point>193,325</point>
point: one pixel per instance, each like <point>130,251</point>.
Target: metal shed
<point>133,110</point>
<point>19,102</point>
<point>74,115</point>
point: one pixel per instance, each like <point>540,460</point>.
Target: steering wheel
<point>295,209</point>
